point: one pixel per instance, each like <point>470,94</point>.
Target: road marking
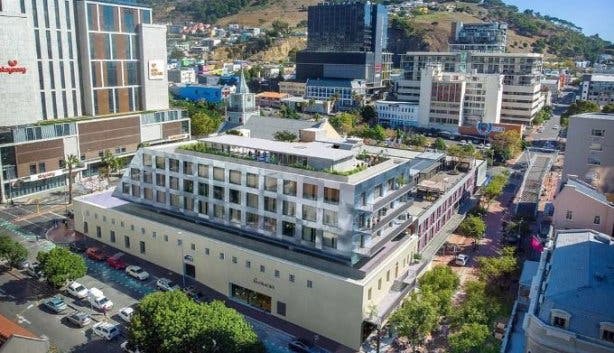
<point>30,306</point>
<point>21,319</point>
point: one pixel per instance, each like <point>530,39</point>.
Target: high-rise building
<point>522,98</point>
<point>598,88</point>
<point>481,37</point>
<point>346,41</point>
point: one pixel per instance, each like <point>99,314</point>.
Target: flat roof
<point>304,149</point>
<point>597,116</point>
<point>602,77</point>
<point>269,94</point>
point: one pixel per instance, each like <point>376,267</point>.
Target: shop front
<point>250,297</point>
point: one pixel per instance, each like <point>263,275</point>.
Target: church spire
<point>243,84</point>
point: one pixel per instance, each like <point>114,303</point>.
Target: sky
<point>594,16</point>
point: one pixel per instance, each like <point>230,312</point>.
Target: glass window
<point>252,180</point>
<point>147,160</point>
<point>234,177</point>
<point>598,132</point>
<point>203,170</point>
<point>291,278</point>
<point>234,196</point>
<point>175,200</point>
<point>330,218</point>
<point>270,224</point>
<point>309,213</point>
<point>173,183</point>
<point>288,208</point>
<point>251,219</point>
<point>329,240</point>
<point>270,184</point>
<point>160,162</point>
<point>270,204</point>
<point>173,165</point>
<point>131,75</point>
<point>46,11</point>
<point>160,196</point>
<point>289,187</point>
<point>203,207</point>
<point>597,220</point>
<point>310,191</point>
<point>218,192</point>
<point>148,193</point>
<point>568,214</point>
<point>68,15</point>
<point>218,174</point>
<point>92,16</point>
<point>112,236</point>
<point>109,18</point>
<point>309,234</point>
<point>146,16</point>
<point>188,185</point>
<point>248,264</point>
<point>288,229</point>
<point>187,168</point>
<point>281,308</point>
<point>218,211</point>
<point>234,215</point>
<point>136,191</point>
<point>160,179</point>
<point>203,189</point>
<point>35,13</point>
<point>331,195</point>
<point>126,241</point>
<point>129,19</point>
<point>252,200</point>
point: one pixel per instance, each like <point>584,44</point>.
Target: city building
<point>280,226</point>
<point>346,94</point>
<point>346,41</point>
<point>449,100</point>
<point>570,309</point>
<point>580,206</point>
<point>211,94</point>
<point>395,115</point>
<point>313,106</point>
<point>185,76</point>
<point>522,97</point>
<point>488,37</point>
<point>241,104</point>
<point>291,88</point>
<point>270,99</point>
<point>588,153</point>
<point>81,78</point>
<point>598,88</point>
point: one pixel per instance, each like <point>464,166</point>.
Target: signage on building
<point>43,176</point>
<point>264,284</point>
<point>155,69</point>
<point>487,128</point>
<point>12,67</point>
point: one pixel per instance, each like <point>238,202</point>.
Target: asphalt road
<point>552,127</point>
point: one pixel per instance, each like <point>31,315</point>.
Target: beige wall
<point>334,307</point>
<point>583,209</point>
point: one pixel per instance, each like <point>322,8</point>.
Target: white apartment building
<point>598,88</point>
<point>521,98</point>
<point>394,114</point>
<point>589,153</point>
<point>314,233</point>
<point>182,76</point>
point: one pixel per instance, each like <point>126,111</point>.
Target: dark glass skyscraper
<point>346,41</point>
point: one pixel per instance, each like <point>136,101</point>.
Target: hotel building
<point>321,234</point>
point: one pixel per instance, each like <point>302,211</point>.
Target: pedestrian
<point>104,312</point>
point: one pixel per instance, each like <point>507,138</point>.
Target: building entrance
<point>250,297</point>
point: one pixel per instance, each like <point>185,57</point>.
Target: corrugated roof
<point>587,190</point>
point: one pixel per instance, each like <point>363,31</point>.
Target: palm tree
<point>71,161</point>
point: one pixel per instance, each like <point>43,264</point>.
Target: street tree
<point>579,107</point>
<point>494,189</point>
<point>368,114</point>
<point>439,144</point>
<point>344,122</point>
<point>496,269</point>
<point>168,322</point>
<point>285,135</point>
<point>478,306</point>
<point>472,338</point>
<point>417,140</point>
<point>12,251</point>
<point>61,266</point>
<point>473,226</point>
<point>506,145</point>
<point>438,286</point>
<point>71,162</point>
<point>415,319</point>
<point>110,164</point>
<point>608,108</point>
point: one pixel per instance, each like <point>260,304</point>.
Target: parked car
<point>106,330</point>
<point>77,246</point>
<point>56,304</point>
<point>128,347</point>
<point>461,259</point>
<point>79,318</point>
<point>193,293</point>
<point>98,300</point>
<point>77,290</point>
<point>117,262</point>
<point>96,254</point>
<point>34,270</point>
<point>126,313</point>
<point>165,285</point>
<point>555,127</point>
<point>137,272</point>
<point>300,345</point>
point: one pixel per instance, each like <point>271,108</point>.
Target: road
<point>551,128</point>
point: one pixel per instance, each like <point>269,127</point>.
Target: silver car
<point>80,319</point>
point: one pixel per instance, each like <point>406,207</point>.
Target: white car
<point>461,259</point>
<point>77,290</point>
<point>98,300</point>
<point>165,285</point>
<point>128,347</point>
<point>106,330</point>
<point>137,272</point>
<point>126,313</point>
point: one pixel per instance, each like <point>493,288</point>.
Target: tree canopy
<point>579,107</point>
<point>506,145</point>
<point>478,306</point>
<point>61,266</point>
<point>344,123</point>
<point>439,144</point>
<point>473,226</point>
<point>472,338</point>
<point>12,251</point>
<point>495,188</point>
<point>493,268</point>
<point>415,319</point>
<point>285,135</point>
<point>205,118</point>
<point>169,322</point>
<point>608,108</point>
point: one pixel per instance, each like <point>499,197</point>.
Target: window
<point>188,185</point>
<point>173,183</point>
<point>309,234</point>
<point>559,321</point>
<point>112,236</point>
<point>193,247</point>
<point>127,241</point>
<point>98,232</point>
<point>218,192</point>
<point>281,308</point>
<point>175,200</point>
<point>252,180</point>
<point>252,219</point>
<point>594,160</point>
<point>270,204</point>
<point>331,195</point>
<point>207,251</point>
<point>218,211</point>
<point>85,228</point>
<point>165,237</point>
<point>234,196</point>
<point>598,132</point>
<point>559,318</point>
<point>309,284</point>
<point>388,276</point>
<point>288,208</point>
<point>160,196</point>
<point>32,169</point>
<point>595,147</point>
<point>369,294</point>
<point>569,215</point>
<point>597,220</point>
<point>41,167</point>
<point>234,259</point>
<point>270,224</point>
<point>288,229</point>
<point>329,240</point>
<point>310,191</point>
<point>142,247</point>
<point>160,162</point>
<point>607,331</point>
<point>291,278</point>
<point>218,174</point>
<point>203,170</point>
<point>203,207</point>
<point>234,215</point>
<point>251,200</point>
<point>160,179</point>
<point>234,177</point>
<point>173,165</point>
<point>248,264</point>
<point>147,177</point>
<point>270,184</point>
<point>330,218</point>
<point>289,187</point>
<point>187,168</point>
<point>276,273</point>
<point>147,160</point>
<point>379,284</point>
<point>309,213</point>
<point>221,256</point>
<point>262,269</point>
<point>378,191</point>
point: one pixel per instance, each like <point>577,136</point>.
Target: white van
<point>98,300</point>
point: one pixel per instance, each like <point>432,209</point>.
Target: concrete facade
<point>296,89</point>
<point>396,114</point>
<point>598,88</point>
<point>589,153</point>
<point>154,76</point>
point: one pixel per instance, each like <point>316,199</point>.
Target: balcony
<point>372,246</point>
<point>391,196</point>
